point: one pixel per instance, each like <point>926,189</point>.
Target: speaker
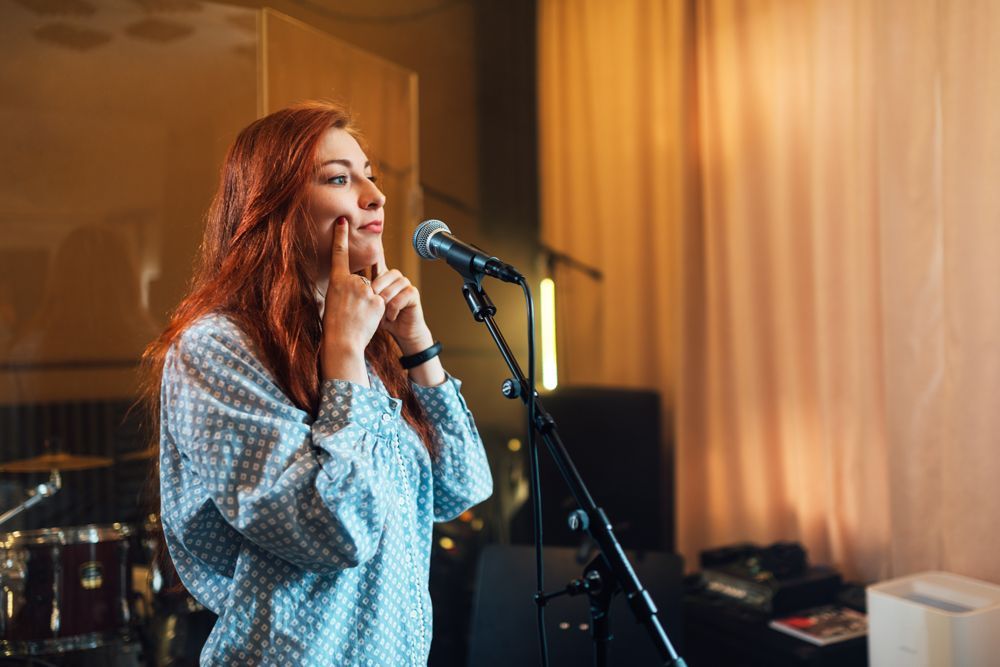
<point>614,437</point>
<point>504,623</point>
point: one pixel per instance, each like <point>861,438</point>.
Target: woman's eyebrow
<point>345,162</point>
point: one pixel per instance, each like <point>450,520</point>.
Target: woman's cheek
<point>363,249</point>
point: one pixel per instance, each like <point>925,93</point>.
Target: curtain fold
<point>792,206</point>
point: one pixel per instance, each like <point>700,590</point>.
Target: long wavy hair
<point>256,265</point>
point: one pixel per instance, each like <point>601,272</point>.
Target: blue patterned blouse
<point>310,538</point>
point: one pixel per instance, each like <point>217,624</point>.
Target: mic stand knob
<point>511,388</point>
<point>578,521</point>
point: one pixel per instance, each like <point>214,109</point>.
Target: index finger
<point>341,264</point>
<point>380,264</point>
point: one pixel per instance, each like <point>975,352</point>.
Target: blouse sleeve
<point>314,492</point>
<point>461,471</point>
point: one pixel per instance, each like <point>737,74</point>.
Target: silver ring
<point>367,282</point>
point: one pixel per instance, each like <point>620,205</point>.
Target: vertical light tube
<point>550,374</point>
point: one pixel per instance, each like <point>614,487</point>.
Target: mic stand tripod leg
<point>601,589</point>
<point>599,584</point>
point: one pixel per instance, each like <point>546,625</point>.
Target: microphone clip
<point>478,300</point>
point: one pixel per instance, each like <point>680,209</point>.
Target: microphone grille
<point>423,233</point>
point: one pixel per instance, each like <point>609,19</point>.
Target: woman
<point>309,435</point>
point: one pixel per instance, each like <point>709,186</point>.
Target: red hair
<point>256,262</point>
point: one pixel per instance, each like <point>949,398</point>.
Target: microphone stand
<point>611,569</point>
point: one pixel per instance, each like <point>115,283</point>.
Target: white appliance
<point>933,619</point>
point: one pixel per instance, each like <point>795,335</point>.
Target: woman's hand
<point>351,316</point>
<point>404,320</point>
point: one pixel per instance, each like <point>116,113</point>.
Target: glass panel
<point>112,129</point>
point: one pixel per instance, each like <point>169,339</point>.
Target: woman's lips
<point>374,227</point>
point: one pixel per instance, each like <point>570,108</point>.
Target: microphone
<point>433,240</point>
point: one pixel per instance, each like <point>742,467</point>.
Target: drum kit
<point>95,594</point>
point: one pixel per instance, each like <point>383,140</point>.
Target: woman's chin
<point>363,259</point>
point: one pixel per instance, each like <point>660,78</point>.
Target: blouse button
<point>386,417</point>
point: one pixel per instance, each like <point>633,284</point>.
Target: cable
<point>536,486</point>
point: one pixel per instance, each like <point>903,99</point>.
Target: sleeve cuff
<point>343,403</point>
<point>442,402</point>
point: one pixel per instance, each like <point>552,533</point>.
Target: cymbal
<point>148,453</point>
<point>57,461</point>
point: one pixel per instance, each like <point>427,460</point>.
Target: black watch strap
<point>413,360</point>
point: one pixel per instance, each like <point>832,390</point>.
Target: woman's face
<point>344,186</point>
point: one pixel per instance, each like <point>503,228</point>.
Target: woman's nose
<point>372,198</point>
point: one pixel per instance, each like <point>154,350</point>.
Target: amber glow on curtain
<point>793,206</point>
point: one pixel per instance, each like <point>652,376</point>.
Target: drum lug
<point>13,575</point>
<point>57,575</point>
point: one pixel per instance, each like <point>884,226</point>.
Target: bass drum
<point>64,589</point>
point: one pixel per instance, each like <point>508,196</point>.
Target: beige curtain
<point>792,204</point>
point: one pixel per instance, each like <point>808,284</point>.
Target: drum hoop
<point>89,534</point>
<point>91,640</point>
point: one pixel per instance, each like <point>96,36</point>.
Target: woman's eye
<point>373,179</point>
<point>337,180</point>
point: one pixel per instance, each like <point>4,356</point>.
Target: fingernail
<point>341,220</point>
